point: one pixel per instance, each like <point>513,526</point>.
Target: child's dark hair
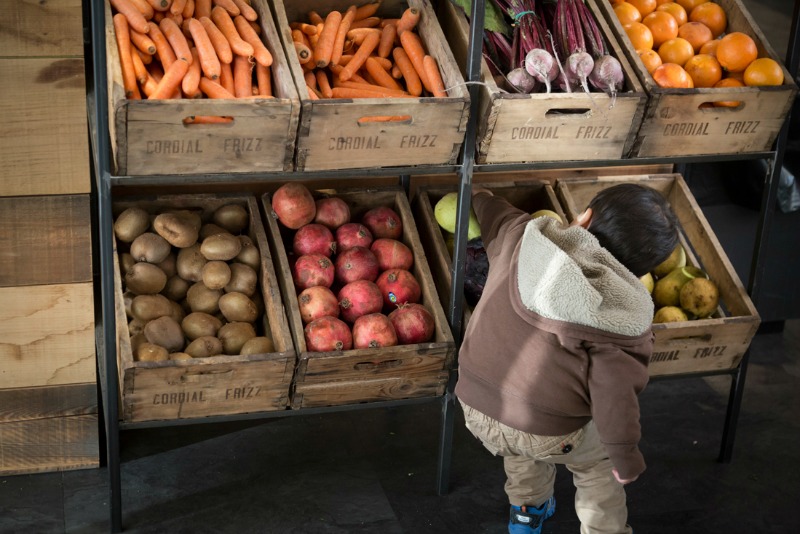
<point>635,224</point>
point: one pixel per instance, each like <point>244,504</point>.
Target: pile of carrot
<point>191,49</point>
<point>357,54</point>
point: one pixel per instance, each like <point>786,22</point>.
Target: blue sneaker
<point>529,519</point>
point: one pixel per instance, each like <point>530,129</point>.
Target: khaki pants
<point>529,461</point>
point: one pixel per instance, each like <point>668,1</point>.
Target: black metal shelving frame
<point>104,181</point>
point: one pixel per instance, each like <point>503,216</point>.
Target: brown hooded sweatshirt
<point>561,335</point>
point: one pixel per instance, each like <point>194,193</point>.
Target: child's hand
<point>623,481</point>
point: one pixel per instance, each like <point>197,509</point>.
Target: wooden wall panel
<point>23,404</point>
<point>41,28</point>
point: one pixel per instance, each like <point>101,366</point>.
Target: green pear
<point>670,314</point>
<point>700,297</point>
<point>675,260</point>
<point>667,291</point>
<point>446,211</point>
<point>450,242</point>
<point>546,213</point>
<point>648,282</point>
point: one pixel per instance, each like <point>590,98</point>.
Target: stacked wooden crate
<point>48,396</point>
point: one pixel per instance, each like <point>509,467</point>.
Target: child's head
<point>635,224</point>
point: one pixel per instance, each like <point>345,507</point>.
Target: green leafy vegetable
<point>493,17</point>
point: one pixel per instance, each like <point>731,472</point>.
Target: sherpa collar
<point>564,274</point>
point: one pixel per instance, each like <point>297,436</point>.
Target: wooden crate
<point>333,133</point>
<point>677,123</point>
<point>518,127</point>
<point>711,344</point>
<point>366,375</point>
<point>529,195</point>
<point>220,385</point>
<point>149,136</point>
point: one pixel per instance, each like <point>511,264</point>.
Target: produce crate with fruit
<point>535,119</point>
<point>205,90</point>
<point>201,329</point>
<point>705,320</point>
<point>382,89</point>
<point>435,212</point>
<point>714,84</point>
<point>359,294</point>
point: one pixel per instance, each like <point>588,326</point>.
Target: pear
<point>648,282</point>
<point>675,260</point>
<point>446,212</point>
<point>700,297</point>
<point>670,314</point>
<point>667,291</point>
<point>546,213</point>
<point>450,242</point>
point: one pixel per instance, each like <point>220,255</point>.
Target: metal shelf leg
<point>446,442</point>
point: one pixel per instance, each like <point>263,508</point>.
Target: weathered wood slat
<point>22,404</point>
<point>35,28</point>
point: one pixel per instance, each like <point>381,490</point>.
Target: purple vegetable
<point>580,65</point>
<point>607,75</point>
<point>476,269</point>
<point>522,81</point>
<point>541,64</point>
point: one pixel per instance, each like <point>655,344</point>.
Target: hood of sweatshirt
<point>564,274</point>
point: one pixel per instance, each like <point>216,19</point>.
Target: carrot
<point>324,84</point>
<point>308,29</point>
<point>385,118</point>
<point>146,58</point>
<point>299,37</point>
<point>347,92</point>
<point>246,11</point>
<point>123,36</point>
<point>202,8</point>
<point>142,41</point>
<point>190,85</point>
<point>214,90</point>
<point>337,70</point>
<point>176,8</point>
<point>367,10</point>
<point>208,119</point>
<point>177,19</point>
<point>225,24</point>
<point>221,45</point>
<point>413,46</point>
<point>401,60</point>
<point>310,79</point>
<point>156,71</point>
<point>242,77</point>
<point>388,35</point>
<point>160,5</point>
<point>229,6</point>
<point>312,94</point>
<point>408,21</point>
<point>360,57</point>
<point>359,34</point>
<point>176,39</point>
<point>158,16</point>
<point>371,87</point>
<point>304,54</point>
<point>139,70</point>
<point>149,86</point>
<point>134,17</point>
<point>209,61</point>
<point>188,10</point>
<point>260,52</point>
<point>144,8</point>
<point>313,38</point>
<point>171,80</point>
<point>264,79</point>
<point>379,74</point>
<point>369,22</point>
<point>255,26</point>
<point>396,73</point>
<point>386,22</point>
<point>434,76</point>
<point>382,61</point>
<point>163,48</point>
<point>226,77</point>
<point>341,34</point>
<point>315,18</point>
<point>323,51</point>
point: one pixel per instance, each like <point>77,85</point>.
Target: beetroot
<point>332,212</point>
<point>607,75</point>
<point>542,66</point>
<point>413,323</point>
<point>313,270</point>
<point>359,298</point>
<point>328,334</point>
<point>392,254</point>
<point>357,263</point>
<point>316,302</point>
<point>293,205</point>
<point>351,235</point>
<point>313,238</point>
<point>372,331</point>
<point>398,286</point>
<point>383,221</point>
<point>522,81</point>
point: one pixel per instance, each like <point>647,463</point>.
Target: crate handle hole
<point>703,337</point>
<point>385,119</point>
<point>372,366</point>
<point>198,120</point>
<point>555,113</point>
<point>726,107</point>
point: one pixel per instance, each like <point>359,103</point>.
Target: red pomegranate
<point>357,263</point>
<point>398,286</point>
<point>351,235</point>
<point>313,270</point>
<point>328,334</point>
<point>359,298</point>
<point>372,331</point>
<point>332,212</point>
<point>413,323</point>
<point>293,205</point>
<point>392,254</point>
<point>383,221</point>
<point>313,238</point>
<point>316,302</point>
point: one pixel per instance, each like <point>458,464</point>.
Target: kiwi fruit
<point>211,229</point>
<point>179,356</point>
<point>199,324</point>
<point>203,299</point>
<point>223,247</point>
<point>233,217</point>
<point>190,263</point>
<point>234,335</point>
<point>165,332</point>
<point>177,313</point>
<point>169,265</point>
<point>237,307</point>
<point>204,347</point>
<point>216,274</point>
<point>149,307</point>
<point>135,326</point>
<point>178,229</point>
<point>249,253</point>
<point>150,247</point>
<point>243,279</point>
<point>131,223</point>
<point>126,261</point>
<point>257,345</point>
<point>145,279</point>
<point>149,352</point>
<point>176,288</point>
<point>127,300</point>
<point>136,341</point>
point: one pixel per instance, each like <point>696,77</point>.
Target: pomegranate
<point>327,334</point>
<point>372,331</point>
<point>413,323</point>
<point>392,254</point>
<point>332,212</point>
<point>383,221</point>
<point>359,298</point>
<point>313,239</point>
<point>351,235</point>
<point>316,302</point>
<point>398,286</point>
<point>357,263</point>
<point>293,205</point>
<point>313,270</point>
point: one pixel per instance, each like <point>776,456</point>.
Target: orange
<point>645,7</point>
<point>763,71</point>
<point>659,2</point>
<point>735,51</point>
<point>651,60</point>
<point>729,83</point>
<point>676,11</point>
<point>670,75</point>
<point>704,70</point>
<point>712,15</point>
<point>626,13</point>
<point>738,76</point>
<point>709,48</point>
<point>696,33</point>
<point>689,5</point>
<point>640,36</point>
<point>676,51</point>
<point>663,26</point>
